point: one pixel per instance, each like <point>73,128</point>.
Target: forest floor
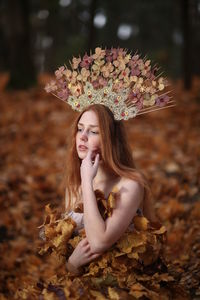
<point>34,130</point>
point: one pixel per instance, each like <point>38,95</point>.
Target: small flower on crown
<point>125,83</point>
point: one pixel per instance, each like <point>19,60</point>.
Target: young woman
<point>108,198</point>
<point>100,159</point>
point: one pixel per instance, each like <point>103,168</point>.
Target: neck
<point>103,175</point>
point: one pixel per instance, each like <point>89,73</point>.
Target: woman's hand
<point>88,168</point>
<point>82,255</point>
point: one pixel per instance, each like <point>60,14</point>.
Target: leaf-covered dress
<point>133,268</point>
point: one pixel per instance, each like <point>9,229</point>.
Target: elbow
<point>99,246</point>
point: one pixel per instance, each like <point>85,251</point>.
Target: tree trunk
<point>187,44</point>
<point>17,32</point>
<point>91,36</point>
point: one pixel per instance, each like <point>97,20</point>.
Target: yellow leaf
<point>137,239</point>
<point>43,250</point>
<point>93,270</point>
<point>138,294</point>
<point>112,200</point>
<point>129,241</point>
<point>117,254</point>
<point>138,290</point>
<point>163,277</point>
<point>97,295</point>
<point>74,242</point>
<point>113,294</point>
<point>140,223</point>
<point>51,216</point>
<point>48,295</point>
<point>151,238</point>
<point>140,249</point>
<point>49,232</point>
<point>133,255</point>
<point>103,262</point>
<point>117,264</point>
<point>57,241</point>
<point>162,230</point>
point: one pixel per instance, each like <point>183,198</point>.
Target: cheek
<point>96,143</point>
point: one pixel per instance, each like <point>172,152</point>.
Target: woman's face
<point>87,136</point>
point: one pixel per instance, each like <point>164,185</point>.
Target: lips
<point>81,147</point>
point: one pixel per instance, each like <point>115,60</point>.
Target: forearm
<point>80,257</point>
<point>72,268</point>
<point>94,224</point>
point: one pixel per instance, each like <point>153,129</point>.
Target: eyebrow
<point>89,125</point>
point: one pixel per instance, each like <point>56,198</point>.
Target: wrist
<point>86,183</point>
<point>72,263</point>
<point>72,268</point>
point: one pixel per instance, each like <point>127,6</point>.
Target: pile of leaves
<point>133,266</point>
<point>34,135</point>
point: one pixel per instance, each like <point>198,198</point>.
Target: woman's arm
<point>72,269</point>
<point>81,255</point>
<point>102,235</point>
<point>94,224</point>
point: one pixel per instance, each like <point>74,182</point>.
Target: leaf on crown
<point>100,77</point>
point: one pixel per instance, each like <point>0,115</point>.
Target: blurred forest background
<point>36,37</point>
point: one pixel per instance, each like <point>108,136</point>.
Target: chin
<point>82,155</point>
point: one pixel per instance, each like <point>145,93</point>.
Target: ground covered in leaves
<point>33,138</point>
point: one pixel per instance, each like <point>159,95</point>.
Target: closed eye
<point>94,132</point>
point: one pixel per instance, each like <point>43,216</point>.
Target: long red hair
<point>115,153</point>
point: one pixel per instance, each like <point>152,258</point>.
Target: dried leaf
<point>140,223</point>
<point>30,184</point>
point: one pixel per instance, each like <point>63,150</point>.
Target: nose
<point>83,136</point>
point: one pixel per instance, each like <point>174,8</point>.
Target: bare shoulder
<point>130,186</point>
<point>130,192</point>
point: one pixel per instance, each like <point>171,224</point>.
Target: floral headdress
<point>127,84</point>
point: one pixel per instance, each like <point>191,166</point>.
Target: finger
<point>94,255</point>
<point>84,241</point>
<point>87,248</point>
<point>96,162</point>
<point>89,154</point>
